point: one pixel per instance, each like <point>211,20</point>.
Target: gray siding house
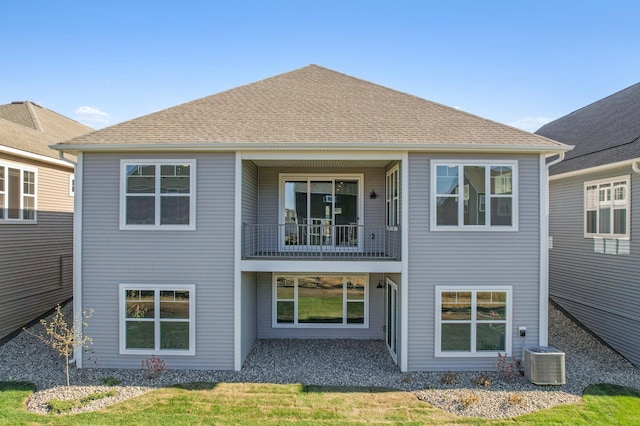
<point>311,205</point>
<point>595,219</point>
<point>36,213</point>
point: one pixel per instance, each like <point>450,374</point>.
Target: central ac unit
<point>544,365</point>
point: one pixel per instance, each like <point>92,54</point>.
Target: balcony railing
<point>320,241</point>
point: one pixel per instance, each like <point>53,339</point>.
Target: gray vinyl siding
<point>475,259</point>
<point>204,257</point>
<point>265,308</point>
<point>36,259</point>
<point>248,309</point>
<point>602,291</point>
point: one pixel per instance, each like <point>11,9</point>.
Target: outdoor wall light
<point>373,194</point>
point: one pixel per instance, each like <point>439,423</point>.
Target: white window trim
<point>72,180</point>
<point>475,228</point>
<point>5,220</point>
<point>392,216</point>
<point>122,308</point>
<point>472,353</point>
<point>627,202</point>
<point>157,226</point>
<point>274,299</point>
<point>284,177</point>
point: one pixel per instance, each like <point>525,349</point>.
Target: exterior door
<point>321,211</point>
<point>391,326</point>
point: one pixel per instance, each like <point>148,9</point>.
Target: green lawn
<point>265,404</point>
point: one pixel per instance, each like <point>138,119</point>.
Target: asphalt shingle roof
<point>307,106</point>
<point>607,131</point>
<point>29,127</point>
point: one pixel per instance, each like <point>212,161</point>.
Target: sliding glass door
<point>321,210</point>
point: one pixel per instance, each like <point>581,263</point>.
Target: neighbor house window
<point>158,194</point>
<point>393,197</point>
<point>72,185</point>
<point>606,205</point>
<point>473,322</point>
<point>474,195</point>
<point>157,319</point>
<point>17,193</point>
<point>320,301</point>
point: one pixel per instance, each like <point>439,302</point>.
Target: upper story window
<point>606,208</point>
<point>392,197</point>
<point>157,194</point>
<point>17,193</point>
<point>471,195</point>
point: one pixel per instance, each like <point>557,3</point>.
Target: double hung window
<point>392,197</point>
<point>157,319</point>
<point>473,322</point>
<point>320,301</point>
<point>607,208</point>
<point>474,195</point>
<point>158,194</point>
<point>17,193</point>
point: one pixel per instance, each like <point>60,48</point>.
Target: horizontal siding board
<point>600,290</point>
<point>470,258</point>
<point>203,257</point>
<point>31,254</point>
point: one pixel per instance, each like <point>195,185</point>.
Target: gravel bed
<point>336,363</point>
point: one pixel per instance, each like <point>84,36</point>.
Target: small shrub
<point>153,366</point>
<point>60,406</point>
<point>449,378</point>
<point>111,381</point>
<point>467,399</point>
<point>482,380</point>
<point>507,367</point>
<point>96,396</point>
<point>406,379</point>
<point>515,399</point>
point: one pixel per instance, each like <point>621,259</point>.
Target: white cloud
<point>530,124</point>
<point>93,116</point>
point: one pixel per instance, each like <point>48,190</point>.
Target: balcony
<point>320,241</point>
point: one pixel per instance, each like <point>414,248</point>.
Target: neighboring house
<point>595,219</point>
<point>36,213</point>
<point>311,205</point>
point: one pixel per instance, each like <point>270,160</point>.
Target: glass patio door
<point>391,326</point>
<point>321,212</point>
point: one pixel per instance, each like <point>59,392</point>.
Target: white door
<point>391,326</point>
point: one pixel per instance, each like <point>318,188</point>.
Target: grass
<point>270,404</point>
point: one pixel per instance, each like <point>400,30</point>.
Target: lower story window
<point>320,301</point>
<point>473,322</point>
<point>157,319</point>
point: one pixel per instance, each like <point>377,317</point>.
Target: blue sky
<point>518,62</point>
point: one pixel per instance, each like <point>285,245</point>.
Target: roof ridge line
<point>34,117</point>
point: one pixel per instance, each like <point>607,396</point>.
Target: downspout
<point>76,304</point>
<point>543,331</point>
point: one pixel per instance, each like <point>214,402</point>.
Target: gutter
<point>636,167</point>
<point>543,323</point>
<point>77,304</point>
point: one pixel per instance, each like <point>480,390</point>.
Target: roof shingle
<point>29,127</point>
<point>606,131</point>
<point>308,106</point>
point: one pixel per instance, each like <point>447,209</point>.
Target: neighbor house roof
<point>312,107</point>
<point>26,126</point>
<point>607,131</point>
